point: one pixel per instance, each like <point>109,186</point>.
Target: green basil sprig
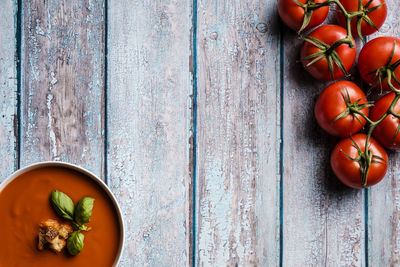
<point>75,243</point>
<point>79,215</point>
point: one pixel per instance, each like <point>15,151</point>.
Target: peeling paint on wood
<point>384,198</point>
<point>8,89</point>
<point>323,221</point>
<point>62,82</point>
<point>149,123</point>
<point>238,132</point>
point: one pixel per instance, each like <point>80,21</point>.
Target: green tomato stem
<point>373,124</point>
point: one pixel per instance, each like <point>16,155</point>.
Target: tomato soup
<point>24,203</point>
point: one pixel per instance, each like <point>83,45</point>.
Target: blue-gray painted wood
<point>8,89</point>
<point>384,198</point>
<point>149,127</point>
<point>238,134</point>
<point>62,82</point>
<point>323,220</point>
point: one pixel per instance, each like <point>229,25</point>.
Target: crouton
<point>53,234</point>
<point>65,230</point>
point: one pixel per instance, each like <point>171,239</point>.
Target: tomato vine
<point>354,20</point>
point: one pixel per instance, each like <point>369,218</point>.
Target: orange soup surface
<point>24,203</point>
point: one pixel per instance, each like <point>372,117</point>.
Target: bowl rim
<point>87,173</point>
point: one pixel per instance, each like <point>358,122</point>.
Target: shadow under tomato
<point>302,90</point>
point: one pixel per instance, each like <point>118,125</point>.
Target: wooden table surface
<point>200,120</point>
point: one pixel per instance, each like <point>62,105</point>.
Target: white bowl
<point>87,173</point>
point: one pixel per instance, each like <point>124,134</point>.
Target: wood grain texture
<point>62,82</point>
<point>149,127</point>
<point>8,89</point>
<point>323,221</point>
<point>238,134</point>
<point>384,198</point>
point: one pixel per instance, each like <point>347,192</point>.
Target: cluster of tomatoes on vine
<point>359,160</point>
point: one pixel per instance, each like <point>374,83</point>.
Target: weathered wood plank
<point>8,89</point>
<point>149,127</point>
<point>62,82</point>
<point>323,221</point>
<point>238,147</point>
<point>384,198</point>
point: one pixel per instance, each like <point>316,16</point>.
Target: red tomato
<point>293,14</point>
<point>377,16</point>
<point>374,56</point>
<point>328,34</point>
<point>385,132</point>
<point>337,99</point>
<point>349,171</point>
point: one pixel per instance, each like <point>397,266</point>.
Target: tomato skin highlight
<point>374,55</point>
<point>328,34</point>
<point>378,16</point>
<point>348,171</point>
<point>331,103</point>
<point>385,131</point>
<point>292,14</point>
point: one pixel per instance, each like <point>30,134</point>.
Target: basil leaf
<point>83,210</point>
<point>62,204</point>
<point>75,243</point>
